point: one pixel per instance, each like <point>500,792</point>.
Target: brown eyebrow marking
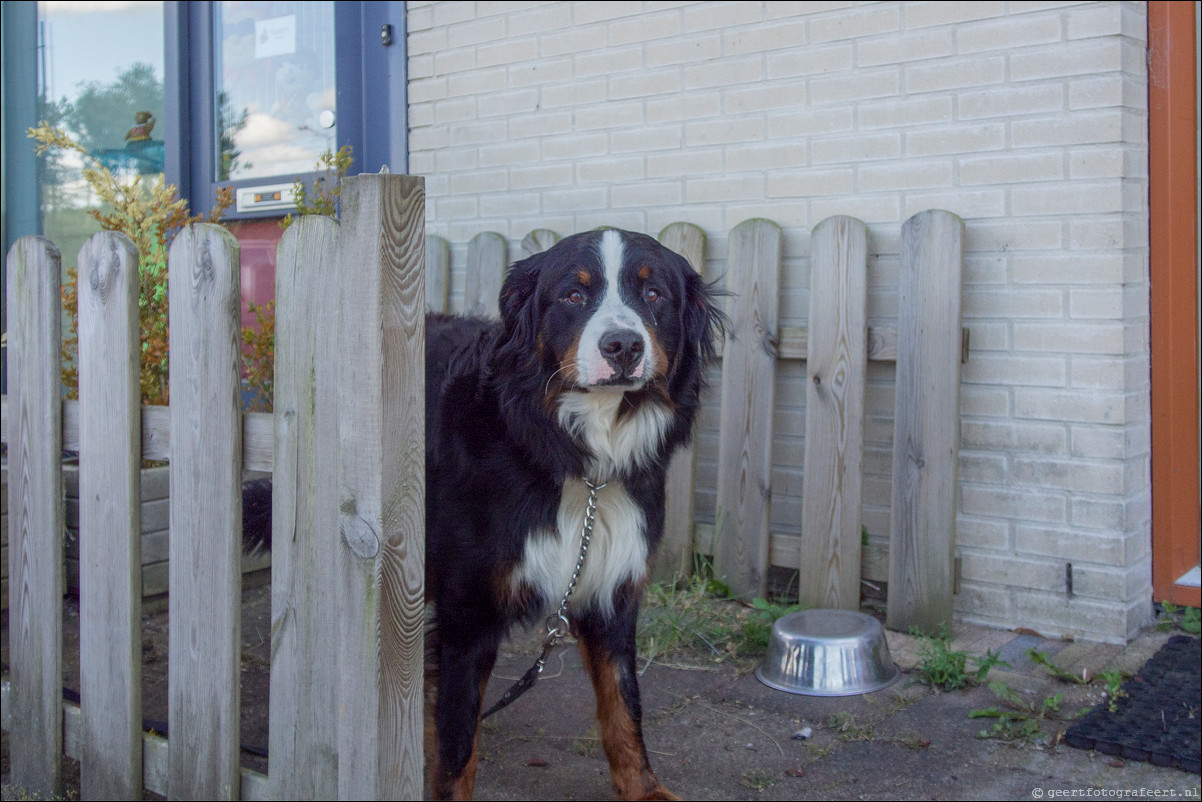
<point>584,278</point>
<point>644,272</point>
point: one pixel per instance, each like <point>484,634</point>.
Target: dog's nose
<point>623,348</point>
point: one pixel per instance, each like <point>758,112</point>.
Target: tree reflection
<point>228,126</point>
<point>102,114</point>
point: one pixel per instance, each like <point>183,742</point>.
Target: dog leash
<point>557,625</point>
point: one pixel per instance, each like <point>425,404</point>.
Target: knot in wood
<point>203,270</point>
<point>361,536</point>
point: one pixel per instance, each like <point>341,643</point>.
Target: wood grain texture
<point>381,560</point>
<point>881,347</point>
<point>674,560</point>
<point>748,394</point>
<point>154,747</point>
<point>784,550</point>
<point>834,416</point>
<point>926,423</point>
<point>487,260</point>
<point>204,646</point>
<point>156,433</point>
<point>110,540</point>
<point>438,274</point>
<point>304,679</point>
<point>35,510</point>
<point>538,241</point>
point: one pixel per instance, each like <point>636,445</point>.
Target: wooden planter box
<point>156,518</point>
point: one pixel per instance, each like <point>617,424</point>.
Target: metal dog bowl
<point>828,653</point>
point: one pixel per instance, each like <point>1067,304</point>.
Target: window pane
<point>274,87</point>
<point>100,71</point>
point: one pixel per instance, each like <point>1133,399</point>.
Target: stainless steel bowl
<point>828,653</point>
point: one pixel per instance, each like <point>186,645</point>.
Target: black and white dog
<point>593,374</point>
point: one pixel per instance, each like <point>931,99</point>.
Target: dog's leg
<point>463,670</point>
<point>609,655</point>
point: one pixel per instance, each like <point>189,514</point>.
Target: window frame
<point>364,68</point>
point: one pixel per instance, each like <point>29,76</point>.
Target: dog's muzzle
<point>623,351</point>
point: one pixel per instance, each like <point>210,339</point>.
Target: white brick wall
<point>1026,119</point>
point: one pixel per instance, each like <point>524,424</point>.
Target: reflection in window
<point>100,80</point>
<point>274,87</point>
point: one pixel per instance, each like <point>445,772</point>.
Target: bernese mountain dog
<point>593,374</point>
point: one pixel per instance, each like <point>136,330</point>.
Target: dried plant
<point>150,215</point>
<point>258,354</point>
<point>259,343</point>
<point>327,189</point>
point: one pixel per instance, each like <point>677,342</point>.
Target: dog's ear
<point>518,302</point>
<point>518,291</point>
<point>704,323</point>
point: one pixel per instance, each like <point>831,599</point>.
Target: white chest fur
<point>617,549</point>
<point>616,443</point>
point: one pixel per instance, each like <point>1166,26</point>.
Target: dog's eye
<point>651,294</point>
<point>575,297</point>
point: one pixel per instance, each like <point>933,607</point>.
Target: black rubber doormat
<point>1158,720</point>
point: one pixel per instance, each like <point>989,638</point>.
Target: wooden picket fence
<point>347,623</point>
<point>345,447</point>
<point>927,345</point>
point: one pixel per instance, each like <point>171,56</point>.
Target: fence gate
<point>348,535</point>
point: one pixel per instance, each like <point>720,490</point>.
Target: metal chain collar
<point>558,625</point>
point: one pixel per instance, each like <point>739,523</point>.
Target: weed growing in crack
<point>941,667</point>
<point>1022,719</point>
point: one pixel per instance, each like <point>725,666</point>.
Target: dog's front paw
<point>647,786</point>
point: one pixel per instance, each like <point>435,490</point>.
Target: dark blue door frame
<point>370,84</point>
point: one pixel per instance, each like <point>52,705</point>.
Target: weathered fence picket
<point>675,558</point>
<point>487,258</point>
<point>205,599</point>
<point>35,514</point>
<point>345,446</point>
<point>382,497</point>
<point>537,241</point>
<point>926,426</point>
<point>438,275</point>
<point>110,458</point>
<point>748,395</point>
<point>304,691</point>
<point>834,428</point>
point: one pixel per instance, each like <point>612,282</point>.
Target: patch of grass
<point>942,667</point>
<point>699,623</point>
<point>1022,721</point>
<point>1112,679</point>
<point>687,624</point>
<point>757,780</point>
<point>818,751</point>
<point>899,702</point>
<point>1008,726</point>
<point>1187,619</point>
<point>757,631</point>
<point>915,742</point>
<point>586,745</point>
<point>849,729</point>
